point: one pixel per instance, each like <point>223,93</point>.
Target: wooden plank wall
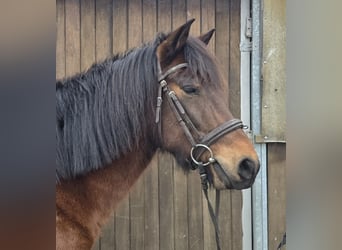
<point>276,163</point>
<point>273,112</point>
<point>274,115</point>
<point>165,209</point>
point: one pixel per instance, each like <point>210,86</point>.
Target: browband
<point>172,70</point>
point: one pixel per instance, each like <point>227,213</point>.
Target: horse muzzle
<point>247,170</point>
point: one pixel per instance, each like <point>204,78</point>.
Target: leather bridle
<point>202,142</point>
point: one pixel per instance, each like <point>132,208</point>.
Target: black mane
<point>108,110</point>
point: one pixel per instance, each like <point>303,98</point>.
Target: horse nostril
<point>247,169</point>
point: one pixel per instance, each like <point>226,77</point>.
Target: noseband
<point>203,142</point>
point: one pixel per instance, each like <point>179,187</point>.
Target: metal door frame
<point>254,210</point>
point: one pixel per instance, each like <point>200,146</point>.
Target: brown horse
<point>168,94</point>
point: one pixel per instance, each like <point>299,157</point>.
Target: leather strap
<point>213,215</point>
<point>171,70</point>
<point>221,130</point>
<point>179,114</point>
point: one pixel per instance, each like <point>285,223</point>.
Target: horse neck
<point>95,196</point>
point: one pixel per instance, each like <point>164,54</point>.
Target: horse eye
<point>191,90</point>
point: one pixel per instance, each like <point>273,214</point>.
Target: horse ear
<point>174,42</point>
<point>207,36</point>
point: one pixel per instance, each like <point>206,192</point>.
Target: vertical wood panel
<point>72,37</point>
<point>194,11</point>
<point>134,23</point>
<point>60,40</point>
<point>107,239</point>
<point>103,29</point>
<point>87,33</point>
<point>151,191</point>
<point>119,26</point>
<point>151,231</point>
<point>166,204</point>
<point>234,58</point>
<point>122,224</point>
<point>276,194</point>
<point>222,35</point>
<point>164,16</point>
<point>208,21</point>
<point>122,214</point>
<point>273,122</point>
<point>236,225</point>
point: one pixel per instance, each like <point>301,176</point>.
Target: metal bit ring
<point>210,160</point>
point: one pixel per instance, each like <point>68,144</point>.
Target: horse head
<point>195,122</point>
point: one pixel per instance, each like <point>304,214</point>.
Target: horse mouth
<point>229,182</point>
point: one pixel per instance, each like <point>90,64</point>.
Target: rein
<point>199,146</point>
